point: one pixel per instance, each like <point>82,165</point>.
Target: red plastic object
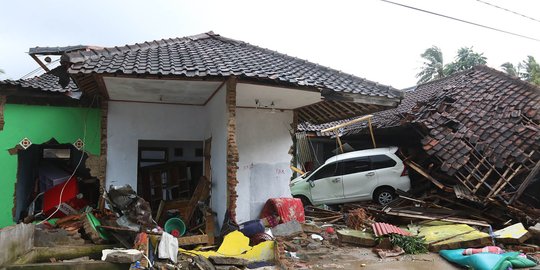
<point>380,228</point>
<point>70,203</point>
<point>330,230</point>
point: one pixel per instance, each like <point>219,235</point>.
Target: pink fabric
<point>488,249</point>
<point>286,208</point>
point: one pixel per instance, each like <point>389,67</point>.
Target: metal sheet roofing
<point>380,229</point>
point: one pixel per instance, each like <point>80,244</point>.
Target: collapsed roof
<point>481,125</point>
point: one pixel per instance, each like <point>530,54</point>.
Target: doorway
<point>168,170</point>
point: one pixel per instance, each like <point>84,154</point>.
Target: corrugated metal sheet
<point>380,228</point>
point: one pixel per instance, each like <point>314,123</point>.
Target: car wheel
<point>384,196</point>
<point>305,201</point>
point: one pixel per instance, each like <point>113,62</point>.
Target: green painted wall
<point>40,124</point>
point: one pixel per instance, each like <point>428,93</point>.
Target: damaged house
<point>44,133</point>
<point>174,111</point>
<point>474,134</point>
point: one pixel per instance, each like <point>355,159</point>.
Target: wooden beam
<point>348,123</point>
<point>214,93</point>
<point>43,66</point>
<point>421,171</point>
<point>371,133</point>
<point>526,182</point>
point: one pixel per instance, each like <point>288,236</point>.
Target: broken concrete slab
<point>41,254</point>
<point>356,237</point>
<point>56,237</point>
<point>15,241</point>
<point>453,236</point>
<point>121,255</point>
<point>287,229</point>
<point>89,265</point>
<point>228,260</point>
<point>311,228</point>
<point>535,231</point>
<point>226,267</point>
<point>514,234</point>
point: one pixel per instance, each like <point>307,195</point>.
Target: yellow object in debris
<point>453,236</point>
<point>236,245</point>
<point>514,234</point>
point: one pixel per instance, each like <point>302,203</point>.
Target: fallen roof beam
<point>419,170</point>
<point>348,123</point>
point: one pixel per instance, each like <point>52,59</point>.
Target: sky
<point>371,39</point>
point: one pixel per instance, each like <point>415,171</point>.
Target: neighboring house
<point>238,104</point>
<point>37,113</point>
<point>479,127</point>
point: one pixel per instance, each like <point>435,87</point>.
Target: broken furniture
<point>168,181</point>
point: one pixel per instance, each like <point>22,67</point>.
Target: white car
<point>373,174</point>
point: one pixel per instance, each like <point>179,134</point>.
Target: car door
<point>326,184</point>
<point>359,179</point>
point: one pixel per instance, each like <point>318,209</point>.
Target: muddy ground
<point>352,257</point>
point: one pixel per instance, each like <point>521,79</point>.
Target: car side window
<point>382,161</point>
<point>355,166</point>
<point>326,171</point>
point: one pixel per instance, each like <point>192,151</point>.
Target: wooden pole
<point>371,133</point>
<point>363,118</point>
<point>339,140</point>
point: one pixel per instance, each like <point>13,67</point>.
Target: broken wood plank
<point>419,170</point>
<point>193,240</point>
<point>403,213</point>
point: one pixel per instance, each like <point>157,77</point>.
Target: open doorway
<point>169,170</point>
<point>52,181</point>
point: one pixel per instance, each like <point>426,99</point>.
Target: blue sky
<point>368,38</point>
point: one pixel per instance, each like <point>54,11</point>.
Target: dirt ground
<point>352,257</point>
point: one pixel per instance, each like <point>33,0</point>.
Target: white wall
<point>263,144</point>
<point>129,122</point>
<point>217,129</point>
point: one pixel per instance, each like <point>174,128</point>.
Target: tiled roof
<point>60,50</point>
<point>209,54</point>
<point>481,112</point>
<point>44,82</point>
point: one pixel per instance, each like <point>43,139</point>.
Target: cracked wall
<point>40,124</point>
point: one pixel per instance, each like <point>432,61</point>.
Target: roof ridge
<point>80,56</point>
<point>376,84</point>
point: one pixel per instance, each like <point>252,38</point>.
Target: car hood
<point>297,180</point>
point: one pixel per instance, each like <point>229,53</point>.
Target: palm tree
<point>466,58</point>
<point>510,69</point>
<point>529,70</point>
<point>433,67</point>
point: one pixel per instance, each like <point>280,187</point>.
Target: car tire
<point>305,201</point>
<point>384,196</point>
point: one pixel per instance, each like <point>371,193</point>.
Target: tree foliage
<point>527,70</point>
<point>434,68</point>
<point>509,69</point>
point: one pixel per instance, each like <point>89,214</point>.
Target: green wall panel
<point>40,124</point>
